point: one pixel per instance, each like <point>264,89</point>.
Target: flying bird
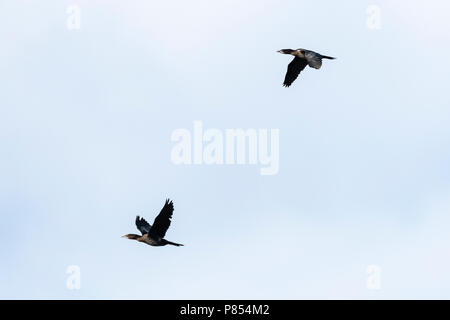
<point>154,235</point>
<point>302,58</point>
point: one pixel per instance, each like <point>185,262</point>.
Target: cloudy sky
<point>360,206</point>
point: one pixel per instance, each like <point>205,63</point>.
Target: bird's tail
<point>174,244</point>
<point>327,57</point>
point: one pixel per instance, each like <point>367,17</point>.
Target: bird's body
<point>302,58</point>
<point>154,235</point>
<point>155,242</point>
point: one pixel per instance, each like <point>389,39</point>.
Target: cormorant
<point>302,58</point>
<point>154,235</point>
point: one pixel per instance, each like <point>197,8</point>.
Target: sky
<point>360,205</point>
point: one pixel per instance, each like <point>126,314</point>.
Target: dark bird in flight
<point>302,58</point>
<point>154,235</point>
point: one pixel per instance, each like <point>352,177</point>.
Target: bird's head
<point>131,236</point>
<point>286,51</point>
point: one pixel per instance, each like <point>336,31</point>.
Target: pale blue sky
<point>85,124</point>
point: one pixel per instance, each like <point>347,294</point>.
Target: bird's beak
<point>123,236</point>
<point>279,51</point>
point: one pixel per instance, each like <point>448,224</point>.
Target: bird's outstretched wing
<point>142,225</point>
<point>162,221</point>
<point>314,59</point>
<point>294,69</point>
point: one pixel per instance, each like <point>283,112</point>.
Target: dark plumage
<point>302,58</point>
<point>294,68</point>
<point>154,235</point>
